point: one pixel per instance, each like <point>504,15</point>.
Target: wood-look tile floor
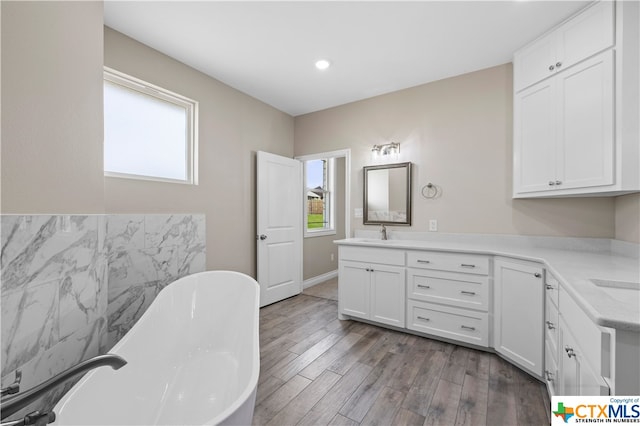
<point>318,370</point>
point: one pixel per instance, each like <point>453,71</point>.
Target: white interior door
<point>279,227</point>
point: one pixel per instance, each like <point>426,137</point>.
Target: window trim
<point>331,178</point>
<point>191,106</point>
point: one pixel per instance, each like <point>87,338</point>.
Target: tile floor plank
<point>313,370</point>
<point>472,409</point>
<point>444,405</point>
<point>299,406</point>
<point>384,408</point>
<point>419,397</point>
<point>367,393</point>
<point>275,402</point>
<point>327,408</point>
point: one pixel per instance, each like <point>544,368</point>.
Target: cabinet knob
<point>558,182</point>
<point>549,375</point>
<point>550,325</point>
<point>537,275</point>
<point>558,64</point>
<point>549,287</point>
<point>551,183</point>
<point>570,352</point>
<point>551,67</point>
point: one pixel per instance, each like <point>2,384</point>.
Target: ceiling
<point>268,49</point>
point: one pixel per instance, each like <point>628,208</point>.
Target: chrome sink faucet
<point>383,232</point>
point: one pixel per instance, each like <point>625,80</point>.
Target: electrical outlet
<point>433,225</point>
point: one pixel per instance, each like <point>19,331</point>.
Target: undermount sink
<point>375,240</point>
<point>620,290</point>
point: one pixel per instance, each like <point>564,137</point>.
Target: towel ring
<point>430,191</point>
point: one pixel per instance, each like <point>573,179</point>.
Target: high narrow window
<point>149,132</point>
<point>319,205</point>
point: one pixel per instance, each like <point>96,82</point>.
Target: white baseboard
<point>319,279</point>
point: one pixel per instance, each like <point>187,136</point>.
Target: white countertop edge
<point>604,320</point>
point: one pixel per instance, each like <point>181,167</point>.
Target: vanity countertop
<point>613,300</point>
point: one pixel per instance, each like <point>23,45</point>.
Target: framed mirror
<point>387,194</point>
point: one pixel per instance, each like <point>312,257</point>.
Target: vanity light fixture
<point>386,151</point>
<point>323,64</point>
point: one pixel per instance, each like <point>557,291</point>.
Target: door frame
<point>341,153</point>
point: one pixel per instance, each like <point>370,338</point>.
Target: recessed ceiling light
<point>323,64</point>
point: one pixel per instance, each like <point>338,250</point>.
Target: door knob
<point>262,237</point>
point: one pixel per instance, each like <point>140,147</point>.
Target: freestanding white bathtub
<point>192,359</point>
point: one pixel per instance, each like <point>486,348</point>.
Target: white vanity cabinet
<point>448,295</point>
<point>518,313</point>
<point>371,284</point>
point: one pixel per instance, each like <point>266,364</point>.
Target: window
<point>319,206</point>
<point>149,132</point>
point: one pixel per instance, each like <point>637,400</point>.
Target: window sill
<point>323,233</point>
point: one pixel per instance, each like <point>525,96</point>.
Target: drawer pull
<point>466,327</point>
<point>467,265</point>
<point>550,325</point>
<point>423,261</point>
<point>423,286</point>
<point>469,293</point>
<point>549,287</point>
<point>570,352</point>
<point>423,318</point>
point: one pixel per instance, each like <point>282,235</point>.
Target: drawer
<point>463,290</point>
<point>454,262</point>
<point>452,323</point>
<point>372,255</point>
<point>551,326</point>
<point>595,341</point>
<point>552,287</point>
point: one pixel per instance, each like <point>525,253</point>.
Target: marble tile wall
<point>73,285</point>
<point>145,253</point>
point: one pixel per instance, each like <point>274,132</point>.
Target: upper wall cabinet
<point>582,36</point>
<point>576,106</point>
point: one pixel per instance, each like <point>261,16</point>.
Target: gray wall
<point>52,107</point>
<point>458,133</point>
<point>232,127</point>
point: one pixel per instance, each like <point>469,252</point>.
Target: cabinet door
<point>534,149</point>
<point>353,289</point>
<point>535,62</point>
<point>586,129</point>
<point>578,378</point>
<point>388,295</point>
<point>519,310</point>
<point>586,34</point>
